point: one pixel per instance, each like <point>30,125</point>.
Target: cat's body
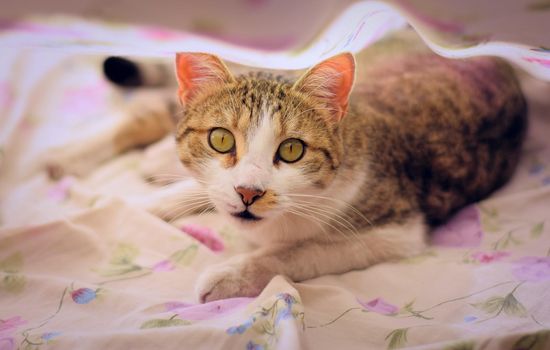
<point>419,137</point>
<point>437,133</point>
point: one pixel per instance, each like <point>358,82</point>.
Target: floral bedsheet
<point>81,267</point>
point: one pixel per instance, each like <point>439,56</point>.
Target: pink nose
<point>249,195</point>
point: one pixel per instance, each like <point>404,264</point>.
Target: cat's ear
<point>199,71</point>
<point>330,82</point>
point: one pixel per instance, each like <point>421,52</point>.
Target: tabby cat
<point>347,166</point>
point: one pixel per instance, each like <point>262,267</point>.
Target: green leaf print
<point>407,308</point>
<point>29,346</point>
<point>122,261</point>
<point>117,270</point>
<point>124,254</point>
<point>264,326</point>
<point>490,305</point>
<point>512,307</point>
<point>161,323</point>
<point>14,283</point>
<point>536,231</point>
<point>536,341</point>
<point>508,304</point>
<point>184,257</point>
<point>489,219</point>
<point>506,240</point>
<point>12,263</point>
<point>466,345</point>
<point>397,338</point>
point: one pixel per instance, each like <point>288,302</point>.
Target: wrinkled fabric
<point>81,267</point>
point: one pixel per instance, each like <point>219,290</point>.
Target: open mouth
<point>246,215</point>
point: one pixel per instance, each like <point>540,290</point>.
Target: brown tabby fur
<point>436,134</point>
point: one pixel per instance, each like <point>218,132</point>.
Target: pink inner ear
<point>196,71</point>
<point>331,81</point>
<point>345,65</point>
<point>183,72</point>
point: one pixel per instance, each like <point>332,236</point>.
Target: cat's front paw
<point>232,279</point>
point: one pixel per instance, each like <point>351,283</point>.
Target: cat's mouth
<point>246,215</point>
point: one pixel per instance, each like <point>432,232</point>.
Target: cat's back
<point>400,75</point>
<point>448,131</point>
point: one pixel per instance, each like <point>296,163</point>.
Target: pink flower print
<point>532,268</point>
<point>163,266</point>
<point>380,306</point>
<point>207,311</point>
<point>205,235</point>
<point>10,325</point>
<point>80,102</point>
<point>60,191</point>
<point>489,257</point>
<point>462,230</point>
<point>7,328</point>
<point>84,295</point>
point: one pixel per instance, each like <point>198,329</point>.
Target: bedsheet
<point>81,267</point>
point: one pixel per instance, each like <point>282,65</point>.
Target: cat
<point>346,166</point>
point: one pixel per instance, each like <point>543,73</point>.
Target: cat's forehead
<point>263,86</point>
<point>242,105</point>
<point>265,96</point>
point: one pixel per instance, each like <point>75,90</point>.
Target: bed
<point>82,267</point>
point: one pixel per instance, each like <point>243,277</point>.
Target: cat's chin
<point>246,216</point>
<point>247,220</point>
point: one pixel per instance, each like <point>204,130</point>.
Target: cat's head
<point>260,145</point>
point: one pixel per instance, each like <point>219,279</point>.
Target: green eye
<point>291,150</point>
<point>221,140</point>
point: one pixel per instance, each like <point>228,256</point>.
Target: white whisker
<point>311,218</point>
<point>349,227</point>
<point>326,223</point>
<point>355,210</point>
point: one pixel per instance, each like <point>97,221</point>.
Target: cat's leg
<point>248,274</point>
<point>148,118</point>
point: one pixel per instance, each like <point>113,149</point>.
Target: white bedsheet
<point>82,268</point>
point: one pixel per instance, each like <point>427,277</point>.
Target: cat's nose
<point>249,194</point>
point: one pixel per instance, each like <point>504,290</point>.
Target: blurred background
<point>243,22</point>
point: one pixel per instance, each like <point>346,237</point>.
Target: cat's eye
<point>221,140</point>
<point>291,150</point>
